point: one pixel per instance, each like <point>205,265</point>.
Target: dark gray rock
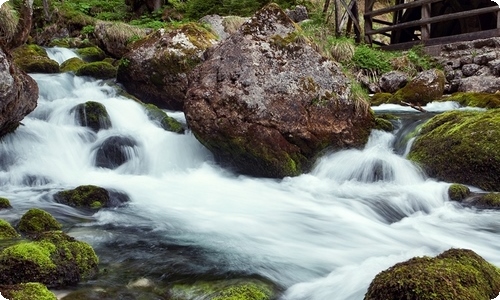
<point>393,81</point>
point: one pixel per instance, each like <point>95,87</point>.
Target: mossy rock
<point>426,87</point>
<point>72,64</point>
<point>383,124</point>
<point>27,291</point>
<point>37,221</point>
<point>483,100</point>
<point>34,59</point>
<point>98,69</point>
<point>490,200</point>
<point>88,196</point>
<point>91,54</point>
<point>4,203</point>
<point>456,274</point>
<point>458,192</point>
<point>37,64</point>
<point>234,289</point>
<point>380,98</point>
<point>162,119</point>
<point>461,147</point>
<point>7,231</point>
<point>93,115</point>
<point>53,258</point>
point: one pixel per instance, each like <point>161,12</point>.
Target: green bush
<point>372,59</point>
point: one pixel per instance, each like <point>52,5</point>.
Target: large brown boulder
<point>266,103</point>
<point>155,70</point>
<point>18,95</point>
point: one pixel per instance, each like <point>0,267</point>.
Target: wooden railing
<point>405,32</point>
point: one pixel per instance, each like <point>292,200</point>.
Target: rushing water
<point>320,236</point>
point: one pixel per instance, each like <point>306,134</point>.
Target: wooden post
<point>338,19</point>
<point>368,20</point>
<point>498,19</point>
<point>425,29</point>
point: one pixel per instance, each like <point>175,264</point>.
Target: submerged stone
<point>91,196</point>
<point>98,69</point>
<point>115,151</point>
<point>4,203</point>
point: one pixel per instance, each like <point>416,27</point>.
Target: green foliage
<point>372,59</point>
<point>196,9</point>
<point>89,29</point>
<point>113,10</point>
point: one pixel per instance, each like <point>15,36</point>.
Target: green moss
<point>456,274</point>
<point>383,124</point>
<point>483,100</point>
<point>4,203</point>
<point>98,69</point>
<point>462,147</point>
<point>71,252</point>
<point>38,253</point>
<point>7,231</point>
<point>159,116</point>
<point>91,54</point>
<point>380,98</point>
<point>64,43</point>
<point>490,200</point>
<point>27,291</point>
<point>234,289</point>
<point>93,115</point>
<point>36,220</point>
<point>89,196</point>
<point>72,64</point>
<point>458,192</point>
<point>34,59</point>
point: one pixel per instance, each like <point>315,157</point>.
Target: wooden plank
<point>446,39</point>
<point>391,9</point>
<point>381,21</point>
<point>354,18</point>
<point>368,20</point>
<point>442,18</point>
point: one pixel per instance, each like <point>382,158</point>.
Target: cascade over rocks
<point>155,70</point>
<point>18,94</point>
<point>267,103</point>
<point>115,151</point>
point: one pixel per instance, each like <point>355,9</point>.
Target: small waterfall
<point>60,54</point>
<point>319,236</point>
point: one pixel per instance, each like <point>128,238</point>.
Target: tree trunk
<point>24,26</point>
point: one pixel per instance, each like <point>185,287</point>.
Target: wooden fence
<point>430,22</point>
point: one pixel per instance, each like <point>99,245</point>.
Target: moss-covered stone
<point>462,147</point>
<point>490,200</point>
<point>27,291</point>
<point>72,64</point>
<point>426,87</point>
<point>380,98</point>
<point>235,289</point>
<point>456,274</point>
<point>93,115</point>
<point>383,124</point>
<point>88,196</point>
<point>36,221</point>
<point>4,203</point>
<point>7,231</point>
<point>162,119</point>
<point>91,54</point>
<point>34,59</point>
<point>483,100</point>
<point>458,192</point>
<point>53,258</point>
<point>98,69</point>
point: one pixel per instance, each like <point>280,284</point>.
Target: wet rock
<point>18,95</point>
<point>91,196</point>
<point>30,290</point>
<point>266,103</point>
<point>461,147</point>
<point>457,274</point>
<point>117,37</point>
<point>114,151</point>
<point>93,115</point>
<point>162,119</point>
<point>7,231</point>
<point>72,64</point>
<point>458,192</point>
<point>4,203</point>
<point>156,68</point>
<point>91,54</point>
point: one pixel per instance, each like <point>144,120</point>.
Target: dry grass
<point>119,32</point>
<point>232,23</point>
<point>8,22</point>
